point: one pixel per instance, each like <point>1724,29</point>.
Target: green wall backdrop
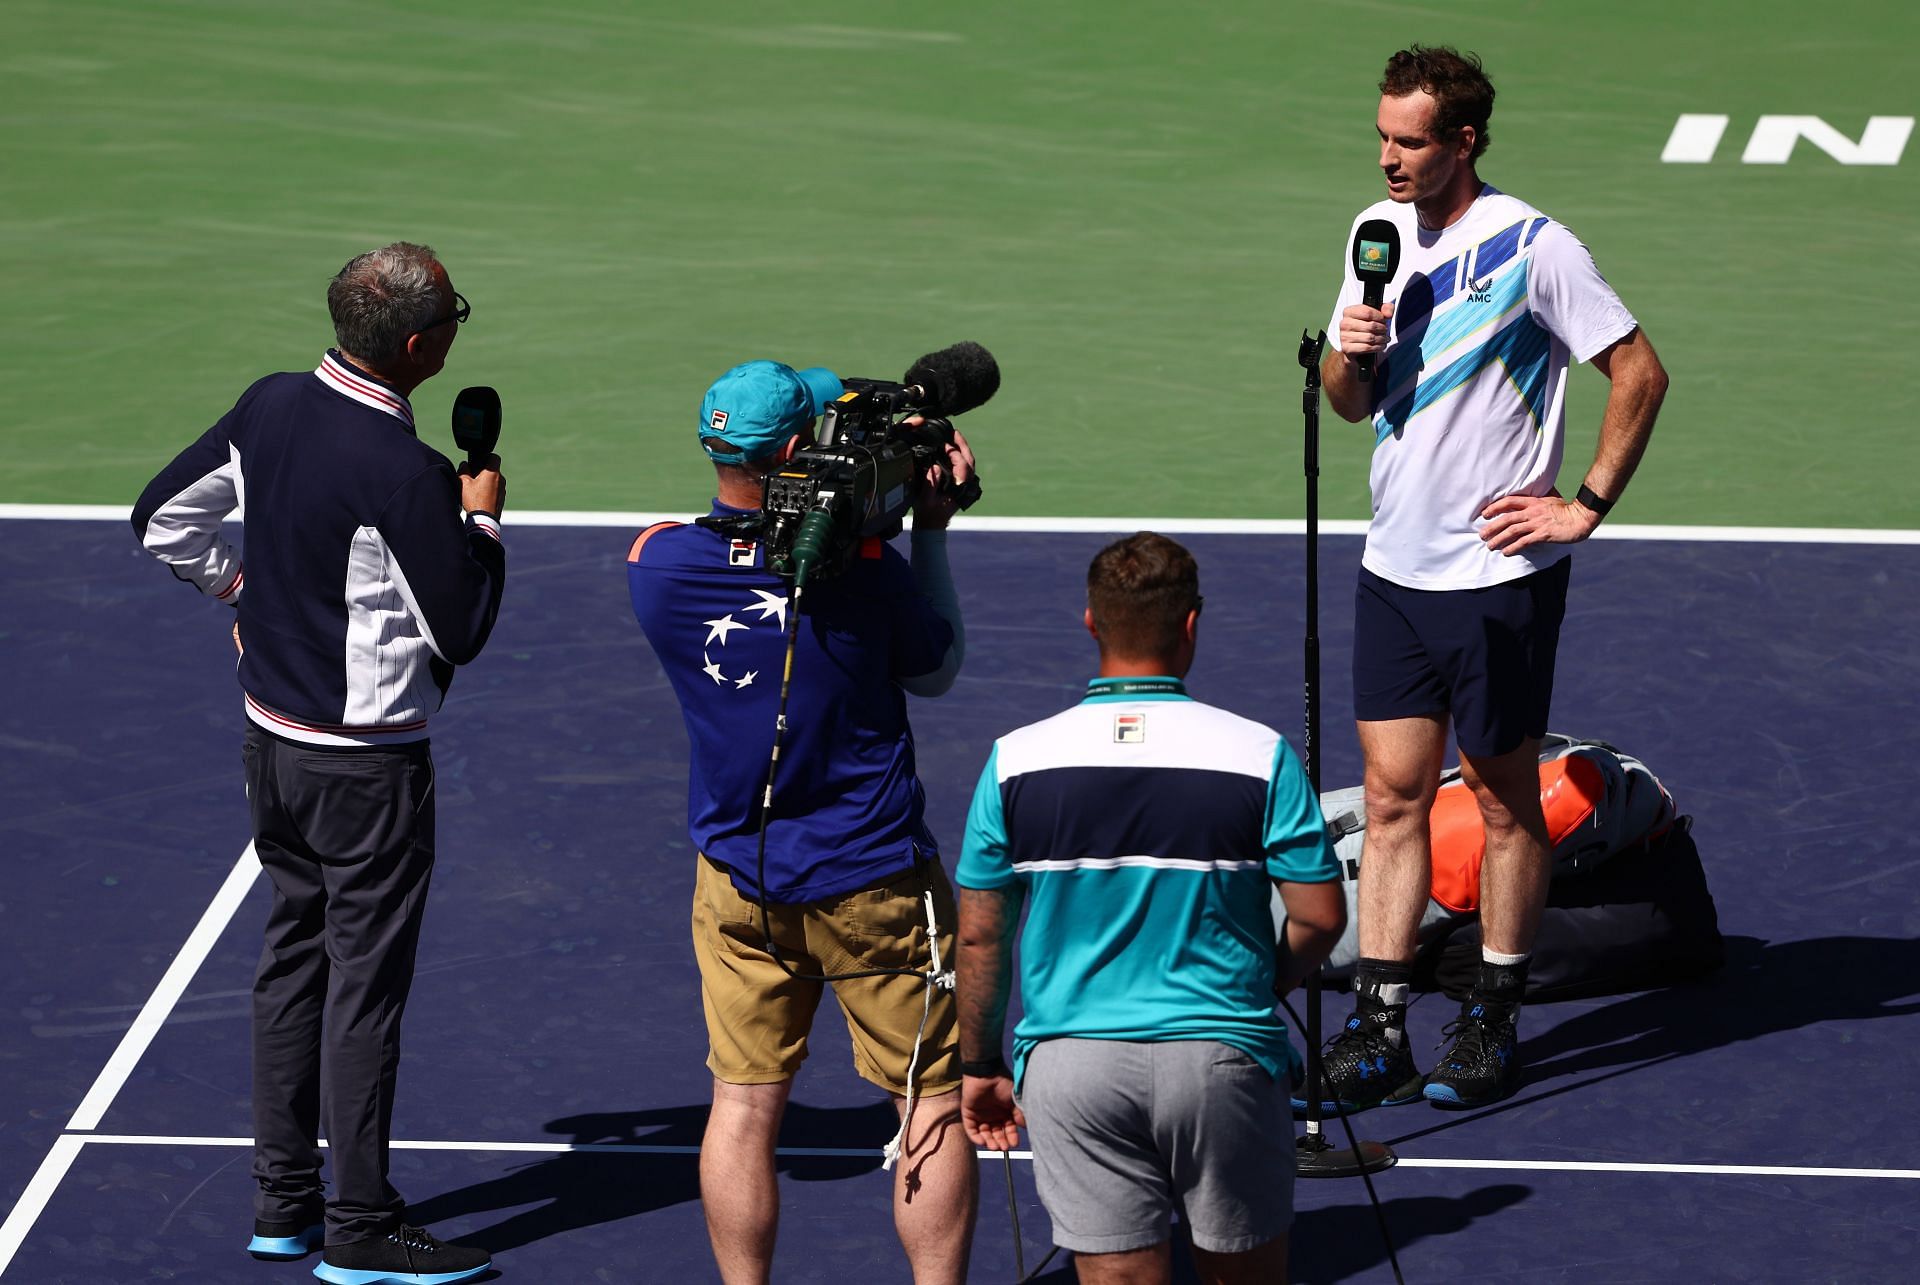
<point>1136,206</point>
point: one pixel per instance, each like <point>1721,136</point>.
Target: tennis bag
<point>1641,920</point>
<point>1628,906</point>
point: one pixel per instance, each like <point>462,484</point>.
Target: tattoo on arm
<point>984,967</point>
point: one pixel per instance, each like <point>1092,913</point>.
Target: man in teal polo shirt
<point>1145,831</point>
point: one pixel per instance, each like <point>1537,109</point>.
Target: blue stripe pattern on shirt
<point>1522,344</point>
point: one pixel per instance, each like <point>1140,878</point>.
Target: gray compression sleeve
<point>935,581</point>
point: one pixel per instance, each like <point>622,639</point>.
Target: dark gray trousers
<point>346,835</point>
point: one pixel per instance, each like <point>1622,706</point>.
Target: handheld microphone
<point>956,379</point>
<point>1376,257</point>
<point>476,424</point>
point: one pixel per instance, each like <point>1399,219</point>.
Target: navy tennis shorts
<point>1484,656</point>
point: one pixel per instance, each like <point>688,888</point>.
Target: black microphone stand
<point>1314,1156</point>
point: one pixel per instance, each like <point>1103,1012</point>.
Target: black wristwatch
<point>1593,502</point>
<point>987,1069</point>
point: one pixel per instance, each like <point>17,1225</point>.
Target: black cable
<point>1013,1211</point>
<point>1034,1275</point>
<point>1020,1272</point>
<point>766,814</point>
<point>928,977</point>
<point>1339,1109</point>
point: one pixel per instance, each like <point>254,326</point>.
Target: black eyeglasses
<point>461,311</point>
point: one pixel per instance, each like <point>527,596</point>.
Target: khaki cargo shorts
<point>758,1017</point>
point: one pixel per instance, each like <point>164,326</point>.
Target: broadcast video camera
<point>860,477</point>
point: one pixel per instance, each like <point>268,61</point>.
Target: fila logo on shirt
<point>740,553</point>
<point>1130,729</point>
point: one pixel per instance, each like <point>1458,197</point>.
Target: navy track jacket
<point>362,589</point>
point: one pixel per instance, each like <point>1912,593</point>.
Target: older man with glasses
<point>363,587</point>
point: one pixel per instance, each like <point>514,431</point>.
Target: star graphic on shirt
<point>767,606</point>
<point>771,604</point>
<point>722,627</point>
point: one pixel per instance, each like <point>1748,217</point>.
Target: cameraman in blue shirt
<point>845,871</point>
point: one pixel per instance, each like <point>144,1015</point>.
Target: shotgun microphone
<point>954,380</point>
<point>1376,257</point>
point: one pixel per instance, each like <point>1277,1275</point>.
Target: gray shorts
<point>1123,1132</point>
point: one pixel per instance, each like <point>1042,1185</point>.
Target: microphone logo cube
<point>1374,257</point>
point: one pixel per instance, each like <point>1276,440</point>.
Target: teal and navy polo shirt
<point>1146,827</point>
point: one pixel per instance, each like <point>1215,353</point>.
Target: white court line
<point>133,1045</point>
<point>172,984</point>
<point>648,1149</point>
<point>68,512</point>
<point>40,1189</point>
<point>67,1147</point>
<point>538,1148</point>
<point>1611,1166</point>
<point>1110,526</point>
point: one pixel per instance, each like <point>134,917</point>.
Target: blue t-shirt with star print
<point>847,806</point>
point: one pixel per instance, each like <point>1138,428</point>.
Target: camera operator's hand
<point>484,490</point>
<point>935,505</point>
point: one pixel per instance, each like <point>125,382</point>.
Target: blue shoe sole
<point>1445,1095</point>
<point>284,1249</point>
<point>352,1276</point>
<point>1329,1109</point>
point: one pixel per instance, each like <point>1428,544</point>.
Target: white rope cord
<point>935,976</point>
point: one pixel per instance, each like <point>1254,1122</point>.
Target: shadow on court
<point>575,1189</point>
<point>1341,1243</point>
<point>1765,988</point>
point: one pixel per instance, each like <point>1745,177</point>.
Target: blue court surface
<point>1758,1127</point>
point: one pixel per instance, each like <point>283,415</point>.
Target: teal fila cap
<point>752,410</point>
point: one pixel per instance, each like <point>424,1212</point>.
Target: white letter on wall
<point>1884,139</point>
<point>1694,140</point>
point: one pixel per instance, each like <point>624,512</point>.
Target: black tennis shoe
<point>284,1242</point>
<point>1362,1068</point>
<point>1483,1066</point>
<point>403,1256</point>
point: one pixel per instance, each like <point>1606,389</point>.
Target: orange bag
<point>1570,789</point>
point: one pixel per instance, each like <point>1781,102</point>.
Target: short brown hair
<point>1140,590</point>
<point>1462,94</point>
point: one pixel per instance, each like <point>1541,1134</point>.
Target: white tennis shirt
<point>1469,399</point>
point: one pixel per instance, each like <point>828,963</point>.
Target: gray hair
<point>382,297</point>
